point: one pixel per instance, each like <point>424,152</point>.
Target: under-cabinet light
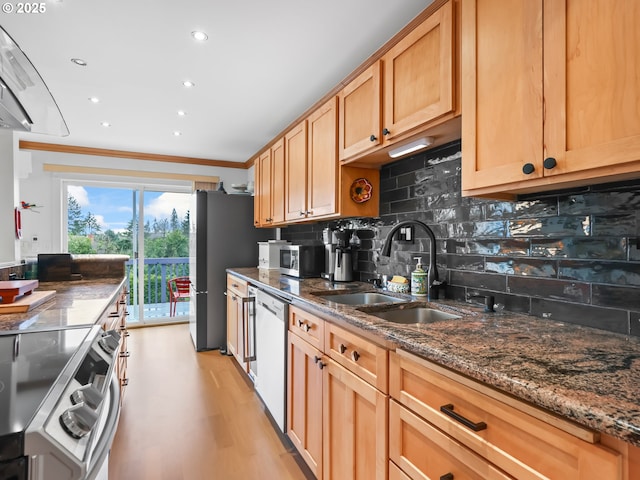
<point>414,146</point>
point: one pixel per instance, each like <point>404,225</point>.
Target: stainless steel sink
<point>414,316</point>
<point>360,298</point>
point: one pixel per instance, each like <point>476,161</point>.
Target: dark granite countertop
<point>75,303</point>
<point>589,376</point>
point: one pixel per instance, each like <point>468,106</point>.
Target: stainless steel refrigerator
<point>221,236</point>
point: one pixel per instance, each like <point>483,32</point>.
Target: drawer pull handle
<point>448,410</point>
<point>355,356</point>
<point>125,382</point>
<point>125,355</point>
<point>447,476</point>
<point>342,348</point>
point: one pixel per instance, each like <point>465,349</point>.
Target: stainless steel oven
<point>59,403</point>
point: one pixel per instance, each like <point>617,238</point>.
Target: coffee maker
<point>330,241</point>
<point>338,255</point>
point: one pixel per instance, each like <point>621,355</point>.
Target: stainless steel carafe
<point>343,270</point>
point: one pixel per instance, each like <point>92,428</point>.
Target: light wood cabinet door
<point>295,165</point>
<point>360,109</point>
<point>277,182</point>
<point>322,161</point>
<point>237,290</point>
<point>355,427</point>
<point>546,104</point>
<point>263,185</point>
<point>424,452</point>
<point>592,84</point>
<point>524,441</point>
<point>304,402</point>
<point>501,91</point>
<point>419,75</point>
<point>232,323</point>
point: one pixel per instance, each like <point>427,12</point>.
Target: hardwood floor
<point>192,416</point>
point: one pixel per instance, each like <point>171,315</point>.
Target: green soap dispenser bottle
<point>419,280</point>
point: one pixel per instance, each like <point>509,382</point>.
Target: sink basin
<point>414,316</point>
<point>361,298</point>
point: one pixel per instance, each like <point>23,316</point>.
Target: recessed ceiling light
<point>181,113</point>
<point>79,61</point>
<point>94,99</point>
<point>177,134</point>
<point>105,124</point>
<point>200,36</point>
<point>188,84</point>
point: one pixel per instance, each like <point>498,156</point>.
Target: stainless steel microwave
<point>302,261</point>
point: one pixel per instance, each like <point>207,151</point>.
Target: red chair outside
<point>179,291</point>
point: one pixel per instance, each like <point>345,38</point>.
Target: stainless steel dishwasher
<point>271,350</point>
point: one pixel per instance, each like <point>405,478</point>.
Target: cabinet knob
<point>306,327</point>
<point>300,323</point>
<point>302,214</point>
<point>355,356</point>
<point>528,168</point>
<point>385,132</point>
<point>317,361</point>
<point>549,163</point>
<point>373,138</point>
<point>342,348</point>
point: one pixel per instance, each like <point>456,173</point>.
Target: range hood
<point>26,104</point>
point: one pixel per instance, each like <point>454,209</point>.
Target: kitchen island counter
<point>75,303</point>
<point>589,376</point>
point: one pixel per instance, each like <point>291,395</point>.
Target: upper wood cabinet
<point>547,105</point>
<point>263,192</point>
<point>316,187</point>
<point>269,186</point>
<point>409,89</point>
<point>419,75</point>
<point>295,173</point>
<point>322,161</point>
<point>360,113</point>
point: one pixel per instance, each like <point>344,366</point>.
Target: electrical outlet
<point>406,234</point>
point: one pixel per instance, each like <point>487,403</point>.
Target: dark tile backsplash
<point>568,255</point>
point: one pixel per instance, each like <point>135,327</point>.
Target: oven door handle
<point>102,448</point>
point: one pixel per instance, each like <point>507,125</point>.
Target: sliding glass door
<point>150,225</point>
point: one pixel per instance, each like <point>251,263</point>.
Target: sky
<point>113,207</point>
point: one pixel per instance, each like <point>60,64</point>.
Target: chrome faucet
<point>432,273</point>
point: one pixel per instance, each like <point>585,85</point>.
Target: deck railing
<point>156,273</point>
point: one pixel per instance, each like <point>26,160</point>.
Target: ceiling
<point>265,62</point>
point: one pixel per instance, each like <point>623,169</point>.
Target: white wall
<point>45,189</point>
<point>7,198</point>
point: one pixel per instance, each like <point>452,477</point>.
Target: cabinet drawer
<point>396,474</point>
<point>358,355</point>
<point>520,439</point>
<point>237,285</point>
<point>423,451</point>
<point>307,326</point>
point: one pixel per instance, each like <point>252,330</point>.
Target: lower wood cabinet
<point>355,427</point>
<point>336,419</point>
<point>115,318</point>
<point>304,401</point>
<point>510,435</point>
<point>423,451</point>
<point>434,423</point>
<point>236,321</point>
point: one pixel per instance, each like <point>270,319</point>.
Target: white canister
<point>269,254</point>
